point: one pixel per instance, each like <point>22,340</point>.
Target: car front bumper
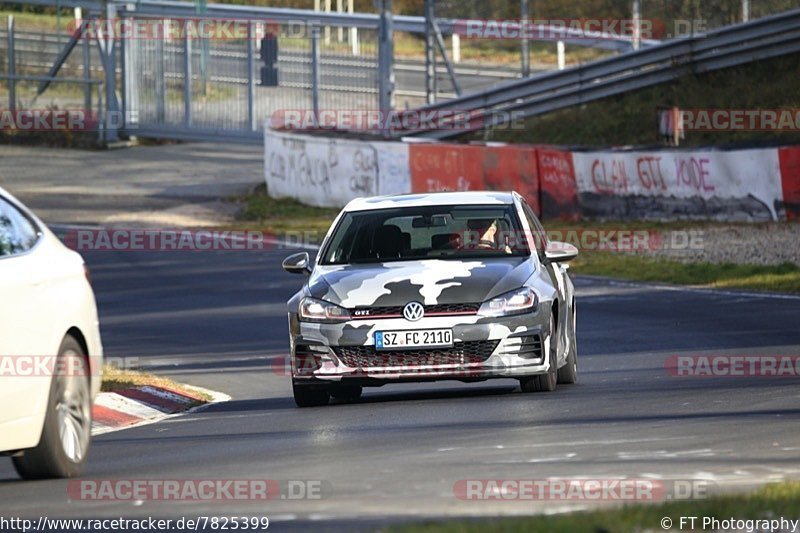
<point>484,348</point>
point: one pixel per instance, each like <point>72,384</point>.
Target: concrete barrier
<point>329,172</point>
<point>459,167</point>
<point>747,185</point>
<point>669,184</point>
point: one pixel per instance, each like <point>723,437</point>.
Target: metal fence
<point>23,75</point>
<point>226,91</point>
<point>213,88</point>
<point>767,37</point>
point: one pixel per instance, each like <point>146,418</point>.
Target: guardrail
<point>764,38</point>
<point>403,23</point>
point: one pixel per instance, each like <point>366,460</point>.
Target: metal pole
<point>315,77</point>
<point>159,75</point>
<point>251,78</point>
<point>124,81</point>
<point>201,7</point>
<point>131,52</point>
<point>353,31</point>
<point>327,28</point>
<point>745,10</point>
<point>87,63</point>
<point>87,73</point>
<point>112,107</point>
<point>430,53</point>
<point>100,109</point>
<point>443,50</point>
<point>526,48</point>
<point>187,79</point>
<point>636,19</point>
<point>386,58</point>
<point>340,29</point>
<point>12,67</point>
<point>562,56</point>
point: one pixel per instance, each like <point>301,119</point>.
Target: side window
<point>539,235</point>
<point>17,233</point>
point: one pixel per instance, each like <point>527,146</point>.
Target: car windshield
<point>413,233</point>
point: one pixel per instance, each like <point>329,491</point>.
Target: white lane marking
<point>680,288</point>
<point>593,443</point>
<point>671,455</point>
<point>535,460</point>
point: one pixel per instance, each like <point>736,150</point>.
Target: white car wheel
<point>66,435</point>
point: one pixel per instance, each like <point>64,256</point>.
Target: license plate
<point>418,338</point>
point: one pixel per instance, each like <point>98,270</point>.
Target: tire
<point>346,392</point>
<point>66,434</point>
<point>544,382</point>
<point>310,395</point>
<point>568,374</point>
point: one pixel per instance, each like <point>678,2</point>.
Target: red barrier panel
<point>440,167</point>
<point>559,190</point>
<point>790,180</point>
<point>513,168</point>
<point>446,167</point>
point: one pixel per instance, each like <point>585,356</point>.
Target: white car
<point>50,348</point>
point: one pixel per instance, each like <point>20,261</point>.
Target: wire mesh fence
<point>234,85</point>
<point>223,81</point>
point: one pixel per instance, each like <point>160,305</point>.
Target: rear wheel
<point>346,392</point>
<point>568,374</point>
<point>67,430</point>
<point>310,395</point>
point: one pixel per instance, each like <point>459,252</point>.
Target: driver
<point>483,234</point>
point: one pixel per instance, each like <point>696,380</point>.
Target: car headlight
<point>516,302</point>
<point>313,310</point>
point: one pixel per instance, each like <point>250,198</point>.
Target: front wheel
<point>568,374</point>
<point>544,382</point>
<point>310,395</point>
<point>67,430</point>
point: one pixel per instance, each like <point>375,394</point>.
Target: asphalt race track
<point>217,320</point>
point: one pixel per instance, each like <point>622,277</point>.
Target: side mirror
<point>298,264</point>
<point>559,252</point>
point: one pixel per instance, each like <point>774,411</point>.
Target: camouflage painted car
<point>426,287</point>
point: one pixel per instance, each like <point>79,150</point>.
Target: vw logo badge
<point>413,311</point>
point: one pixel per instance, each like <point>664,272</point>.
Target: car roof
<point>432,199</point>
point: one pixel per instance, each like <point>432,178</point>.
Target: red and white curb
<point>137,406</point>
